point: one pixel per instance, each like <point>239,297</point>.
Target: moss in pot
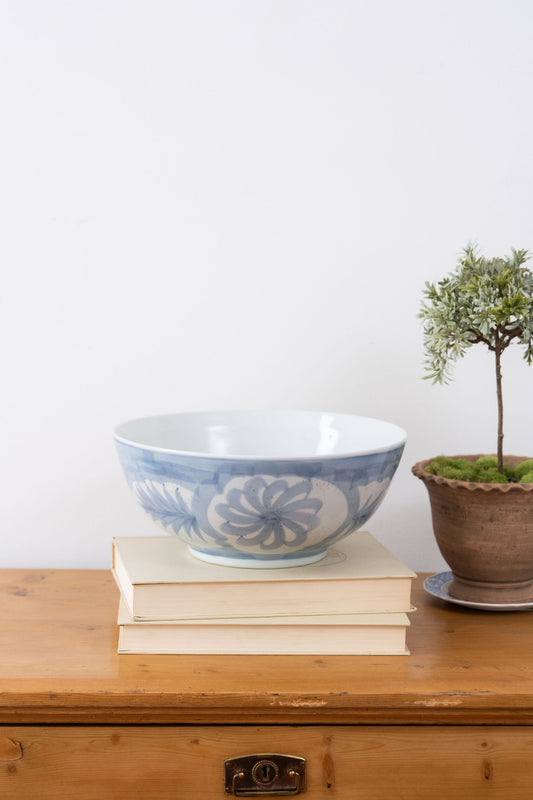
<point>482,506</point>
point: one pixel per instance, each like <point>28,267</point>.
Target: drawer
<point>366,762</point>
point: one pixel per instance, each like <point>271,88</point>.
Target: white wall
<point>235,203</point>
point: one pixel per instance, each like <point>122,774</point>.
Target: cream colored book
<point>337,634</point>
<point>160,579</point>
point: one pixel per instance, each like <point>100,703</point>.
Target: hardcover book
<point>337,634</point>
<point>159,579</point>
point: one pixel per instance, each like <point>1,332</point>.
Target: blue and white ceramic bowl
<point>259,488</point>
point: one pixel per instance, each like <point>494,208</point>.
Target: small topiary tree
<point>484,301</point>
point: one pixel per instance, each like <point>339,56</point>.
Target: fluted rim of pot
<point>395,439</point>
<point>419,471</point>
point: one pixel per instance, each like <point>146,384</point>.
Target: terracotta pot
<point>485,533</point>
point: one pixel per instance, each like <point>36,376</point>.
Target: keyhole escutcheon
<point>264,772</point>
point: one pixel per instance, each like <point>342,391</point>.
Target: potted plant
<point>482,506</point>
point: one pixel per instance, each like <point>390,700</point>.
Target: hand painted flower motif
<point>364,501</point>
<point>168,506</point>
<point>269,512</point>
<point>370,498</point>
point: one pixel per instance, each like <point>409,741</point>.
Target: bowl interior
<point>262,434</point>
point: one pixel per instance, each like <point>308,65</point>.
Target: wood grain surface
<point>58,663</point>
<point>186,763</point>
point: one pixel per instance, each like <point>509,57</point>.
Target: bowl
<point>259,488</point>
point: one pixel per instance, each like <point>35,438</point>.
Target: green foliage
<point>493,477</point>
<point>485,301</point>
<point>484,470</point>
<point>527,478</point>
<point>524,468</point>
<point>488,301</point>
<point>487,462</point>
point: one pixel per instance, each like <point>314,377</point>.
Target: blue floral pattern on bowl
<point>270,512</point>
<point>278,512</point>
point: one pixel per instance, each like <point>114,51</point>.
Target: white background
<point>235,203</point>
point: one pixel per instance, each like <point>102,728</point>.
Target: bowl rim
<point>393,445</point>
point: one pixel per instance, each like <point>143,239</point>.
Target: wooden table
<point>452,720</point>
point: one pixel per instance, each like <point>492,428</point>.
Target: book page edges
<point>391,619</point>
<point>214,640</point>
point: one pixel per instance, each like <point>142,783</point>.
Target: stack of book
<point>354,601</point>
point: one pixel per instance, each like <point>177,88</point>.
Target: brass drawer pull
<point>264,774</point>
